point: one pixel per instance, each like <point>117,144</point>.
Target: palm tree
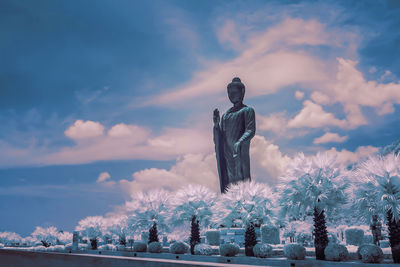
<point>192,201</point>
<point>147,208</point>
<point>365,204</point>
<point>244,203</point>
<point>313,185</point>
<point>92,227</point>
<point>380,178</point>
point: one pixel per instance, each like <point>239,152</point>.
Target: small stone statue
<point>232,135</point>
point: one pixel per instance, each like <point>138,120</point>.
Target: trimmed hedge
<point>154,247</point>
<point>294,252</point>
<point>229,250</point>
<point>139,247</point>
<point>262,250</point>
<point>178,248</point>
<point>336,252</point>
<point>203,249</point>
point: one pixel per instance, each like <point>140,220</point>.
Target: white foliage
<point>148,207</point>
<point>243,203</point>
<point>309,182</point>
<point>118,226</point>
<point>91,227</point>
<point>48,235</point>
<point>8,238</point>
<point>189,201</point>
<point>378,180</point>
<point>64,237</point>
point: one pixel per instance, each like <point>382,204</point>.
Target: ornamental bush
<point>368,239</point>
<point>385,244</point>
<point>139,247</point>
<point>213,237</point>
<point>262,250</point>
<point>336,252</point>
<point>178,248</point>
<point>155,247</point>
<point>203,249</point>
<point>370,253</point>
<point>294,252</point>
<point>270,234</point>
<point>229,250</point>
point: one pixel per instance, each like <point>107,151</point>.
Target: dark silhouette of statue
<point>232,135</point>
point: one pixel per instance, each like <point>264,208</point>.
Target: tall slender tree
<point>153,233</point>
<point>194,234</point>
<point>250,239</point>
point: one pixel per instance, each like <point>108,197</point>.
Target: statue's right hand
<point>216,117</point>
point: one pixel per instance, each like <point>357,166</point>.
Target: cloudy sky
<point>101,99</point>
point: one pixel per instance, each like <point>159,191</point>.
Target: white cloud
<point>267,161</point>
<point>268,62</point>
<point>103,176</point>
<point>275,122</point>
<point>125,141</point>
<point>313,116</point>
<point>299,95</point>
<point>345,156</point>
<point>123,130</point>
<point>330,138</point>
<point>267,164</point>
<point>84,129</point>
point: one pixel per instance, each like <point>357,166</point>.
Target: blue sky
<point>101,99</point>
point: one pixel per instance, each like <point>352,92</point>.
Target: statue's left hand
<point>236,148</point>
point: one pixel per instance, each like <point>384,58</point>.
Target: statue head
<point>236,90</point>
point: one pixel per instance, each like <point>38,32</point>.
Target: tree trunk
<point>320,234</point>
<point>394,236</point>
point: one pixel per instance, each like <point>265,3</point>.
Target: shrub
<point>203,249</point>
<point>109,247</point>
<point>385,244</point>
<point>332,239</point>
<point>178,248</point>
<point>294,252</point>
<point>139,247</point>
<point>213,237</point>
<point>262,250</point>
<point>155,247</point>
<point>270,234</point>
<point>354,236</point>
<point>370,253</point>
<point>368,239</point>
<point>228,250</point>
<point>336,252</point>
<point>303,238</point>
<point>1,245</point>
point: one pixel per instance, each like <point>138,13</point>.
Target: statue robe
<point>237,124</point>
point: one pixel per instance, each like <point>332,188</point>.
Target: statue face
<point>235,94</point>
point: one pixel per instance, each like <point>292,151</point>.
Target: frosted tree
<point>147,208</point>
<point>379,179</point>
<point>313,186</point>
<point>118,226</point>
<point>92,227</point>
<point>47,236</point>
<point>9,238</point>
<point>244,203</point>
<point>192,201</point>
<point>64,237</point>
